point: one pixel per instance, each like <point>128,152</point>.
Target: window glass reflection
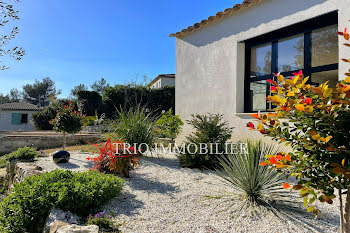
<point>324,43</point>
<point>291,53</point>
<point>261,60</point>
<point>258,95</point>
<point>322,77</point>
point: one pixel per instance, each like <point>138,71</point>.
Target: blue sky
<point>80,41</point>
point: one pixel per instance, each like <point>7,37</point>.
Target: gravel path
<point>162,197</point>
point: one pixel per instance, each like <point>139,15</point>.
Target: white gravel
<point>162,197</point>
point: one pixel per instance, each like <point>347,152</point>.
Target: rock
<point>57,225</point>
<point>78,229</point>
<point>17,171</point>
<point>61,216</point>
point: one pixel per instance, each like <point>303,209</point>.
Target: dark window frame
<point>305,28</point>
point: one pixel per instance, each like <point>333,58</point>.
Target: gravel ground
<point>77,162</point>
<point>162,197</point>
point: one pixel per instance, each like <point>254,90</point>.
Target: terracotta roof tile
<point>226,12</point>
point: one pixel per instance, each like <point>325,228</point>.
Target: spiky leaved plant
<point>253,186</point>
<point>135,127</point>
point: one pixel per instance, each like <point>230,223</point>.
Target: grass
<point>83,148</point>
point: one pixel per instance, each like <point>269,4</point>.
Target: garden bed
<point>162,197</point>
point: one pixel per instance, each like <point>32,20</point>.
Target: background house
<point>223,62</point>
<point>163,80</point>
<point>17,116</point>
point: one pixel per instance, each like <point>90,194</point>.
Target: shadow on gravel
<point>300,217</point>
<point>125,204</point>
<point>164,162</point>
<point>144,184</point>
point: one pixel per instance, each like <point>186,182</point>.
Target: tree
<point>8,14</point>
<point>15,95</point>
<point>39,93</point>
<point>99,86</point>
<point>169,125</point>
<point>68,121</point>
<point>4,98</point>
<point>315,121</point>
<point>78,88</point>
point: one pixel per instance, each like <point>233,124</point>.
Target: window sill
<point>245,115</point>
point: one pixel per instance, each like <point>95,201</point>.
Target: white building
<point>223,62</point>
<point>17,116</point>
<point>163,80</point>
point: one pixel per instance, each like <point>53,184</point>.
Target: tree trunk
<point>341,207</point>
<point>64,140</point>
<point>346,218</point>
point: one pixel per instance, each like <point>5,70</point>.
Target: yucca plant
<point>253,186</point>
<point>135,126</point>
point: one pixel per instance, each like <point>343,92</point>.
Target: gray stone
<point>62,216</point>
<point>57,225</point>
<point>78,229</point>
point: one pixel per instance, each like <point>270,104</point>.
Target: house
<point>163,80</point>
<point>223,62</point>
<point>17,116</point>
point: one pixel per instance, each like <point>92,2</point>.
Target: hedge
<point>90,101</point>
<point>126,97</point>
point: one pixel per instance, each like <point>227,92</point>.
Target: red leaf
<point>288,158</point>
<point>273,160</point>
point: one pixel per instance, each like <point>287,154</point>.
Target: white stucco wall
<point>210,61</point>
<point>6,124</point>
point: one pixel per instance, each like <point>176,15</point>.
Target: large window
<point>311,46</point>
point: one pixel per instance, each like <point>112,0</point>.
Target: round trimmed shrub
<point>26,208</point>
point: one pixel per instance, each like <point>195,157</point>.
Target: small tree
<point>170,125</point>
<point>315,121</point>
<point>68,121</point>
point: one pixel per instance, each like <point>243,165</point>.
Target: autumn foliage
<point>315,121</point>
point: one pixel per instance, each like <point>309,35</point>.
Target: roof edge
<point>219,15</point>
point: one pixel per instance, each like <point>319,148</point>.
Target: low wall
<point>11,141</point>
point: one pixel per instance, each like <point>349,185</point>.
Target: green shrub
<point>252,185</point>
<point>25,153</point>
<point>209,128</point>
<point>169,125</point>
<point>42,119</point>
<point>135,126</point>
<point>26,208</point>
<point>89,121</point>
